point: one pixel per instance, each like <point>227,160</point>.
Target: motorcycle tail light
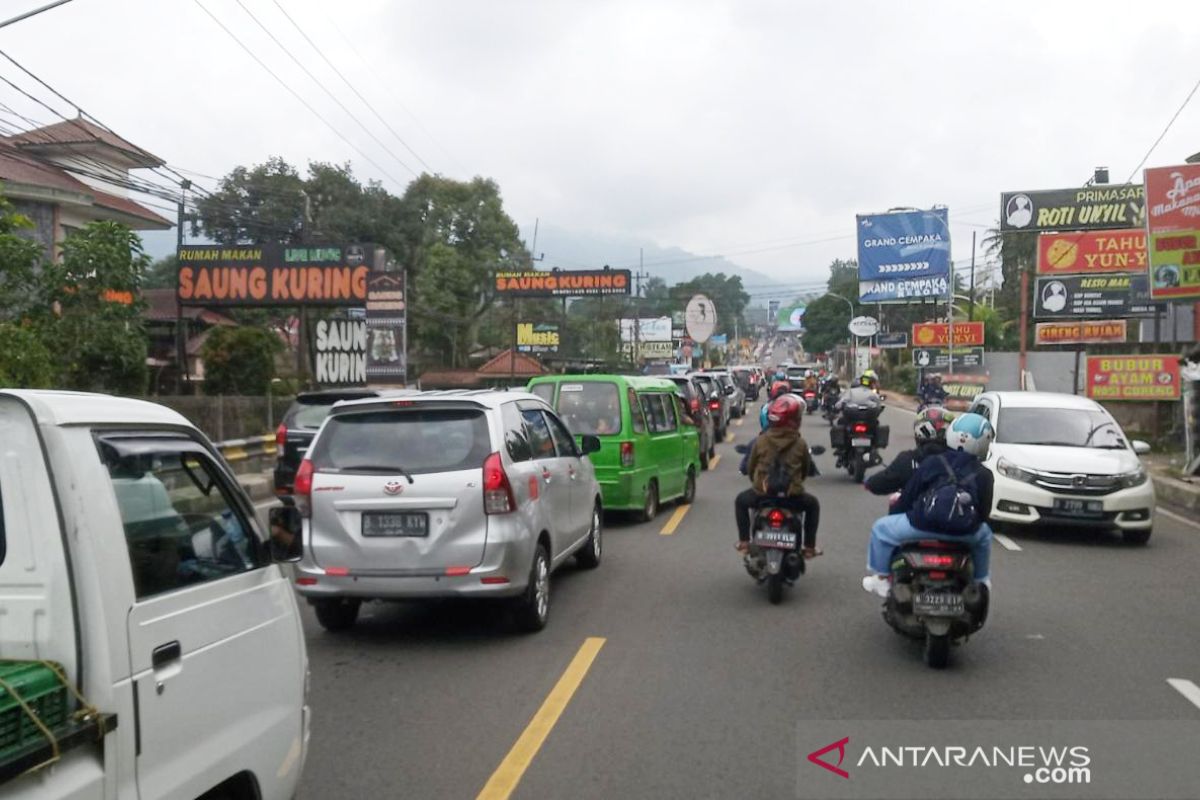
<point>860,427</point>
<point>775,518</point>
<point>937,560</point>
<point>937,576</point>
<point>715,405</point>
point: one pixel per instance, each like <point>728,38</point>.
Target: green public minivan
<point>649,445</point>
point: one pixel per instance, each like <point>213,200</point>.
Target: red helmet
<point>779,388</point>
<point>784,412</point>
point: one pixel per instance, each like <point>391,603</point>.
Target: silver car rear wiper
<point>385,468</point>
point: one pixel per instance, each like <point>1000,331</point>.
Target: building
<point>65,175</point>
<point>163,317</point>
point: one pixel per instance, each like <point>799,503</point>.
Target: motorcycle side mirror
<point>817,450</point>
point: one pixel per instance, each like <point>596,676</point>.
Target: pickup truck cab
<point>133,572</point>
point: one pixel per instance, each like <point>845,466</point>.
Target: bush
<point>239,361</point>
<point>25,363</point>
<point>903,379</point>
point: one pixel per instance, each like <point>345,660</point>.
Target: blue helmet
<point>763,422</point>
<point>971,433</point>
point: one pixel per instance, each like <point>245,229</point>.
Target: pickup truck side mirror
<point>589,444</point>
<point>287,527</point>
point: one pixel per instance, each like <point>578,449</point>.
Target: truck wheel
<point>533,608</point>
<point>338,614</point>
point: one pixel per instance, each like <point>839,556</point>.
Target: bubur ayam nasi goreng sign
<point>264,275</point>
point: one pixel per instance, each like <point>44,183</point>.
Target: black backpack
<point>779,477</point>
<point>951,505</point>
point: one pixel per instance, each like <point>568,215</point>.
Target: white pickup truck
<point>132,562</point>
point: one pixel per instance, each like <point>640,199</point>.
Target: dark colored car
<point>696,404</point>
<point>718,401</point>
<point>300,424</point>
<point>748,380</point>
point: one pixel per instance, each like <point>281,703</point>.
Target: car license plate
<point>780,539</point>
<point>395,523</point>
<point>1081,508</point>
<point>938,604</point>
<point>860,441</point>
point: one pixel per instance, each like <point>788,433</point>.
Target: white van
<point>131,558</point>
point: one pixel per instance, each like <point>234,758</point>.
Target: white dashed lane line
<point>1006,543</point>
<point>1186,688</point>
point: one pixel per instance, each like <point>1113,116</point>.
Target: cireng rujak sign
<point>1173,222</point>
<point>1081,331</point>
<point>266,275</point>
<point>903,255</point>
<point>1092,252</point>
<point>1089,208</point>
<point>563,283</point>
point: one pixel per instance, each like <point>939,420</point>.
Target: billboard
<point>1173,223</point>
<point>1133,377</point>
<point>1114,295</point>
<point>1100,331</point>
<point>540,337</point>
<point>961,390</point>
<point>773,309</point>
<point>939,357</point>
<point>340,352</point>
<point>657,351</point>
<point>387,328</point>
<point>1092,251</point>
<point>1087,208</point>
<point>891,340</point>
<point>646,329</point>
<point>937,334</point>
<point>790,318</point>
<point>266,275</point>
<point>903,254</point>
<point>563,283</point>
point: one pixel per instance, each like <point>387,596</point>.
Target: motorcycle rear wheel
<point>858,469</point>
<point>937,650</point>
<point>775,588</point>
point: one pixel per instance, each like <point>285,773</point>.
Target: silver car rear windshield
<point>404,440</point>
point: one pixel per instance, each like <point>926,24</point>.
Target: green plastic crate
<point>39,686</point>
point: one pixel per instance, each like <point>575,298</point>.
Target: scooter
<point>934,596</point>
<point>811,402</point>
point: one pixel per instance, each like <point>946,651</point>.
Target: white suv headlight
<point>1135,478</point>
<point>1011,470</point>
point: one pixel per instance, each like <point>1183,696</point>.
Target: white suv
<point>1063,460</point>
<point>432,494</point>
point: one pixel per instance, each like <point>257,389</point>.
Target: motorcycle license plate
<point>937,604</point>
<point>784,540</point>
<point>860,441</point>
<point>1079,508</point>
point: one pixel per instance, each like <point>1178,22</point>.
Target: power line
<point>1163,135</point>
<point>323,88</point>
<point>346,81</point>
<point>296,94</point>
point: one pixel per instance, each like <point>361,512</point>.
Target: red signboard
<point>1083,331</point>
<point>1092,251</point>
<point>1133,377</point>
<point>937,334</point>
<point>1173,220</point>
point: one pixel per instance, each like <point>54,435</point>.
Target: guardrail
<point>254,454</point>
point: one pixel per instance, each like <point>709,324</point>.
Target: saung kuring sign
<point>340,352</point>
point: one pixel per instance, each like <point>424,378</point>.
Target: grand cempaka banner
<point>264,275</point>
<point>903,255</point>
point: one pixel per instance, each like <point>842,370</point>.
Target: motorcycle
<point>828,401</point>
<point>776,535</point>
<point>810,401</point>
<point>857,440</point>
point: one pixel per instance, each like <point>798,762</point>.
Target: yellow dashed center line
<point>674,521</point>
<point>506,777</point>
<point>712,462</point>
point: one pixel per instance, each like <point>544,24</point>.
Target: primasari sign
<point>1133,377</point>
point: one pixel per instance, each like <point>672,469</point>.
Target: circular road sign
<point>701,318</point>
<point>864,326</point>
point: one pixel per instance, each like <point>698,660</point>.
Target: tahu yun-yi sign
<point>903,255</point>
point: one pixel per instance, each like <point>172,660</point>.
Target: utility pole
<point>512,352</point>
<point>181,372</point>
<point>971,307</point>
<point>637,308</point>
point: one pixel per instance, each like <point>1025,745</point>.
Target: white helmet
<point>971,433</point>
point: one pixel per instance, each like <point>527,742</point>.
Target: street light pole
<point>853,338</point>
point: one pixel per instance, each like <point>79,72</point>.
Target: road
<point>698,676</point>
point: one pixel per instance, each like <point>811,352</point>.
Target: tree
<point>162,274</point>
<point>239,361</point>
<point>825,324</point>
<point>727,295</point>
<point>265,203</point>
<point>19,260</point>
<point>95,330</point>
<point>26,363</point>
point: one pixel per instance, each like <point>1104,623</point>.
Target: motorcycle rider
<point>781,442</point>
<point>811,384</point>
<point>932,392</point>
<point>869,379</point>
<point>967,440</point>
<point>929,431</point>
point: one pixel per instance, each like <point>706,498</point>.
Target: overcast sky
<point>744,128</point>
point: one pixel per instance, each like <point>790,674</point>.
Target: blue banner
<point>900,290</point>
<point>719,340</point>
<point>903,245</point>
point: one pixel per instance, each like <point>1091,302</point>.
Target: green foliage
<point>239,361</point>
<point>19,259</point>
<point>25,363</point>
<point>265,203</point>
<point>902,378</point>
<point>162,274</point>
<point>100,344</point>
<point>727,295</point>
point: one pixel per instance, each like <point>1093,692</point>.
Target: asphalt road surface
<point>666,673</point>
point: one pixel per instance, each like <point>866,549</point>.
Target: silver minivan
<point>451,493</point>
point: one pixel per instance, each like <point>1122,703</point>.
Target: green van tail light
<point>626,454</point>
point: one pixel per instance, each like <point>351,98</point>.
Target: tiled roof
<point>510,363</point>
<point>160,307</point>
<point>126,206</point>
<point>80,132</point>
